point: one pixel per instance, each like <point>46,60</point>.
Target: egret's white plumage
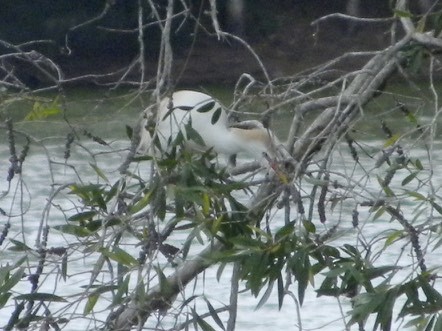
<point>208,118</point>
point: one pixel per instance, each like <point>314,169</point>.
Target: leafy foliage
<point>354,217</point>
<point>43,110</point>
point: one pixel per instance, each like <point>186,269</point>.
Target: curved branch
<point>351,18</point>
<point>425,38</point>
<point>333,121</point>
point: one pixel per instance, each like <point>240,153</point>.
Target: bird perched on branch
<point>201,123</point>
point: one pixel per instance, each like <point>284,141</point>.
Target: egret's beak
<point>282,164</point>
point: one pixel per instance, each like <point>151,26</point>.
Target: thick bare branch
<point>426,38</point>
<point>138,310</point>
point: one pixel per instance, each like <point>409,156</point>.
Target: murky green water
<point>105,113</point>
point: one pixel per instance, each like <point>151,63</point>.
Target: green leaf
<point>417,323</point>
<point>436,206</point>
<point>192,134</point>
<point>202,323</point>
<point>216,115</point>
<point>364,305</point>
<point>4,297</point>
<point>372,273</point>
<point>214,315</point>
<point>300,266</point>
<point>328,287</point>
<point>92,194</point>
<point>79,231</point>
<point>286,231</point>
<point>120,256</point>
<point>206,107</point>
<point>20,261</point>
<point>409,178</point>
<point>411,118</point>
<point>351,250</point>
<point>12,280</point>
<point>393,237</point>
<point>266,295</point>
<point>83,216</point>
<point>122,291</point>
<point>90,303</point>
<point>418,164</point>
<point>19,246</point>
<point>129,131</point>
<point>330,251</point>
<point>140,204</point>
<point>336,271</point>
<point>188,300</point>
<point>432,294</point>
<point>191,194</point>
<point>99,172</point>
<point>43,110</point>
<point>98,199</point>
<point>280,291</point>
<point>385,312</point>
<point>113,191</point>
<point>39,296</point>
<point>220,270</point>
<point>415,58</point>
<point>379,213</point>
<point>160,206</point>
<point>392,140</point>
<point>165,286</point>
<point>416,195</point>
<point>388,191</point>
<point>309,226</point>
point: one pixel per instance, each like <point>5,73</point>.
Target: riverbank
<point>292,47</point>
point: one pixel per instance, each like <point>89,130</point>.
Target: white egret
<point>204,124</point>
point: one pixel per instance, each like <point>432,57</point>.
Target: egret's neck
<point>253,142</point>
<point>224,141</point>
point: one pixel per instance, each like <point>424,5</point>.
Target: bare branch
<point>425,38</point>
<point>351,18</point>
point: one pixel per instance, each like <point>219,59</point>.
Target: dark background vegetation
<point>97,36</point>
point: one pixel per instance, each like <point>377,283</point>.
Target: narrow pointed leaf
<point>214,315</point>
<point>38,296</point>
<point>90,303</point>
<point>99,172</point>
<point>75,230</point>
<point>216,115</point>
<point>120,256</point>
<point>83,216</point>
<point>140,204</point>
<point>13,280</point>
<point>409,178</point>
<point>19,246</point>
<point>265,296</point>
<point>206,107</point>
<point>280,291</point>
